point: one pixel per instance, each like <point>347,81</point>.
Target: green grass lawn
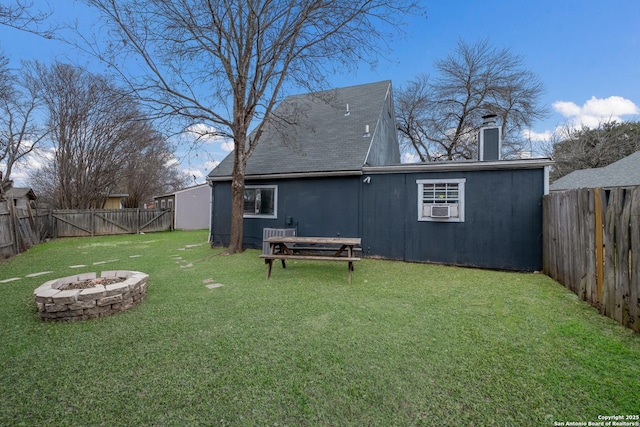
<point>405,344</point>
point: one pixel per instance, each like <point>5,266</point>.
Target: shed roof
<point>317,134</point>
<point>623,173</point>
<point>20,192</point>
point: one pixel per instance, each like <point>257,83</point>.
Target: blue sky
<point>586,53</point>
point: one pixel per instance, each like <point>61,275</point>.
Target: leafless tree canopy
<point>100,138</point>
<point>19,133</point>
<point>23,15</point>
<point>439,117</point>
<point>586,148</point>
<point>224,63</point>
<point>150,172</point>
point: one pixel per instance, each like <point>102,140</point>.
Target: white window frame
<point>457,205</point>
<point>162,204</point>
<point>275,201</point>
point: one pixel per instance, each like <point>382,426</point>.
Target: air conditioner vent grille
<point>440,211</point>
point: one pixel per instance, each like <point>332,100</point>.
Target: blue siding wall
<point>502,227</point>
<point>315,207</point>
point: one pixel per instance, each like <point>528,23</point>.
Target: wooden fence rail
<point>101,222</point>
<point>592,246</point>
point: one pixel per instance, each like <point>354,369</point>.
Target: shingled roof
<point>623,173</point>
<point>325,132</point>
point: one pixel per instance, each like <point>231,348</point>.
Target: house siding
<point>502,227</point>
<point>314,206</point>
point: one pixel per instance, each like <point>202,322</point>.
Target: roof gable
<point>325,132</point>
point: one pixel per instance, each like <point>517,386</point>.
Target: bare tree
<point>439,117</point>
<point>225,63</point>
<point>19,133</point>
<point>150,171</point>
<point>22,15</point>
<point>585,148</point>
<point>95,128</point>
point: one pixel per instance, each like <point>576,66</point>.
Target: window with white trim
<point>261,201</point>
<point>441,200</point>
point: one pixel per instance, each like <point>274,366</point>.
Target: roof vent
<point>366,132</point>
<point>347,112</point>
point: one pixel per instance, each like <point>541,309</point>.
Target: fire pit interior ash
<point>87,296</point>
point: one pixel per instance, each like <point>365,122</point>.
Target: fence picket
<point>592,246</point>
<point>634,267</point>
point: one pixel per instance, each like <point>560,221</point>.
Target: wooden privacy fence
<point>17,233</point>
<point>592,246</point>
<point>100,222</point>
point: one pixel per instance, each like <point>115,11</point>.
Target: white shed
<point>193,207</point>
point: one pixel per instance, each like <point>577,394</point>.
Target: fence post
<point>599,244</point>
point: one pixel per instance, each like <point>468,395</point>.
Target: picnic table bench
<point>313,249</point>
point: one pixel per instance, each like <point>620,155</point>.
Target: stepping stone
<point>193,246</point>
<point>104,262</point>
<point>186,266</point>
<point>77,266</point>
<point>215,285</point>
<point>208,281</point>
<point>135,256</point>
<point>9,280</point>
<point>38,274</point>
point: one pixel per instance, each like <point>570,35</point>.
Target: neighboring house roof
<point>623,173</point>
<point>162,196</point>
<point>20,192</point>
<point>325,132</point>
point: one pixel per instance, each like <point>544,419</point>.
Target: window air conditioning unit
<point>440,211</point>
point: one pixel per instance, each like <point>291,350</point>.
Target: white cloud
<point>211,164</point>
<point>194,173</point>
<point>210,135</point>
<point>207,134</point>
<point>596,110</point>
<point>531,135</point>
<point>410,158</point>
<point>228,145</point>
<point>567,109</point>
<point>171,162</point>
<point>22,170</point>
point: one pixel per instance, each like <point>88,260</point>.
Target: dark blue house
<point>335,171</point>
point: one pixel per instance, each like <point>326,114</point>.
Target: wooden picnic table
<point>312,248</point>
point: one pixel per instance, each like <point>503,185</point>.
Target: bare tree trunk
<point>237,202</point>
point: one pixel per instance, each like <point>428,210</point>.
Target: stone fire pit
<point>87,296</point>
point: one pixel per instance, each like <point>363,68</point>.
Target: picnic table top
<point>315,240</point>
